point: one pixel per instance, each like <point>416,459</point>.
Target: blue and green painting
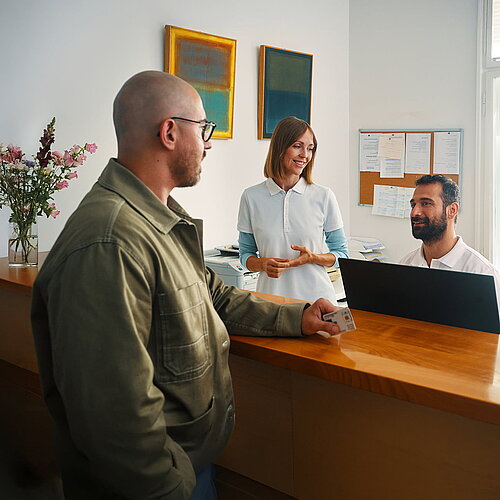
<point>287,87</point>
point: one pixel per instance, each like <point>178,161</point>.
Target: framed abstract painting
<point>285,85</point>
<point>208,63</point>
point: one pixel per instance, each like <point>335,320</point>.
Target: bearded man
<point>434,210</point>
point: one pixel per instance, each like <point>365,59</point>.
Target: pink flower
<point>68,160</point>
<point>57,158</point>
<point>80,159</point>
<point>91,148</point>
<point>15,151</point>
<point>54,212</point>
<point>13,154</point>
<point>62,185</point>
<point>72,175</point>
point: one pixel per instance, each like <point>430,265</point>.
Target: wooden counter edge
<point>402,390</point>
<point>406,391</point>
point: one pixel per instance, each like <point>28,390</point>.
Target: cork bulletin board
<point>368,179</point>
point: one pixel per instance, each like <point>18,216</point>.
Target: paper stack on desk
<point>369,248</point>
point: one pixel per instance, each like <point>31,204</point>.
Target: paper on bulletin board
<point>391,150</point>
<point>391,145</point>
<point>447,153</point>
<point>392,201</point>
<point>418,153</point>
<point>392,168</point>
<point>368,153</point>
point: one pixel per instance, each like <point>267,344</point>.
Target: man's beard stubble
<point>433,230</point>
<point>187,169</point>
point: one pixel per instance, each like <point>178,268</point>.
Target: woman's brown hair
<point>285,134</point>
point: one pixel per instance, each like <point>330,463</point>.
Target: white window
<point>488,145</point>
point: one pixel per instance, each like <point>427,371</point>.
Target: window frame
<point>487,227</point>
<point>486,25</point>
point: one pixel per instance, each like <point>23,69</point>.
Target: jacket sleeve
<point>246,314</point>
<point>99,304</point>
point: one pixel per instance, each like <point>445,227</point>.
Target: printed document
<point>368,153</point>
<point>392,201</point>
<point>447,152</point>
<point>418,153</point>
<point>391,153</point>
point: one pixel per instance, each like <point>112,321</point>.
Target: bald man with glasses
<point>131,329</point>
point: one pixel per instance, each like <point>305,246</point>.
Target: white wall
<point>68,59</point>
<point>412,65</point>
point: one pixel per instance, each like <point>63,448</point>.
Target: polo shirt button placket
<point>286,202</point>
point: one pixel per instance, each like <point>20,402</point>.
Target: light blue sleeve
<point>337,244</point>
<point>248,247</point>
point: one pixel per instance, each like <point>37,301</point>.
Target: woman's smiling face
<point>298,155</point>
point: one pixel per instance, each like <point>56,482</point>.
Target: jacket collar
<point>124,183</point>
<point>273,188</point>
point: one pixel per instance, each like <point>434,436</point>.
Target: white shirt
<point>460,258</point>
<point>299,216</point>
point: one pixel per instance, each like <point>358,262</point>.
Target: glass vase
<point>23,244</point>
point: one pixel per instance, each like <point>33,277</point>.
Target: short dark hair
<point>285,134</point>
<point>450,192</point>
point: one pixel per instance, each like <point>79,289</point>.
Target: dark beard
<point>432,230</point>
<point>186,171</point>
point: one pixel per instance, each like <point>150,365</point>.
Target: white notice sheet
<point>391,150</point>
<point>446,152</point>
<point>368,153</point>
<point>418,153</point>
<point>392,167</point>
<point>391,145</point>
<point>392,201</point>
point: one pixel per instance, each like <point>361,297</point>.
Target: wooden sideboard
<point>397,409</point>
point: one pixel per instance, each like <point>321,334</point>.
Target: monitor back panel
<point>451,298</point>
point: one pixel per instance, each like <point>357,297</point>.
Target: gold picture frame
<point>208,63</point>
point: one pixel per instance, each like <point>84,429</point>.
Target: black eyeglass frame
<point>210,126</point>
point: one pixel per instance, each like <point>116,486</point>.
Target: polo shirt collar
<point>273,188</point>
<point>454,255</point>
<point>451,258</point>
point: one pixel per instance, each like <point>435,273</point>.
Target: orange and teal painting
<point>207,62</point>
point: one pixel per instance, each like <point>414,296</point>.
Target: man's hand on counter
<point>312,318</point>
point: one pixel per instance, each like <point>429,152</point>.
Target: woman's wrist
<point>253,264</point>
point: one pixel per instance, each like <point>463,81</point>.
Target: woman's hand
<point>273,267</point>
<point>307,257</point>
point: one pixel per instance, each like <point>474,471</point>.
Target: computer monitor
<point>453,298</point>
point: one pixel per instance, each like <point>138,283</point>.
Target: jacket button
<point>225,344</point>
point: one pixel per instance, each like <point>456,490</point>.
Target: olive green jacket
<point>131,331</point>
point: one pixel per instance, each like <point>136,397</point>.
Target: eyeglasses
<point>207,128</point>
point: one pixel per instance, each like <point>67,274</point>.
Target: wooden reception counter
<point>395,409</point>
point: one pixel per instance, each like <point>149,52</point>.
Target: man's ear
<point>452,210</point>
<point>168,133</point>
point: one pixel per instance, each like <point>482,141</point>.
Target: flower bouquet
<point>27,188</point>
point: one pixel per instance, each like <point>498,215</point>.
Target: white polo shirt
<point>278,219</point>
<point>460,258</point>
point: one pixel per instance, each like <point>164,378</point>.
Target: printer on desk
<point>225,261</point>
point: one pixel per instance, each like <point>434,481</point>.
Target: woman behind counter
<point>285,221</point>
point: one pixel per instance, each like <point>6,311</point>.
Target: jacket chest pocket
<point>183,337</point>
